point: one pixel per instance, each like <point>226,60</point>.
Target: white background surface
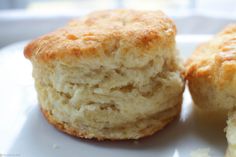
<point>25,133</point>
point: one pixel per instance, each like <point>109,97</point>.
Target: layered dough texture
<point>110,75</point>
<point>118,100</point>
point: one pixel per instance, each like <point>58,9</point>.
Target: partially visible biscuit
<point>231,135</point>
<point>211,71</point>
<point>110,75</point>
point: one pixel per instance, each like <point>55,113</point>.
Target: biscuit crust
<point>102,33</point>
<point>217,54</point>
<point>211,71</point>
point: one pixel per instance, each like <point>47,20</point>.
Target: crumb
<point>203,152</point>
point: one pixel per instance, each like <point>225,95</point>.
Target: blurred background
<point>27,19</point>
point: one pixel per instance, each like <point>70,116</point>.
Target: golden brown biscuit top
<point>215,59</point>
<point>103,32</point>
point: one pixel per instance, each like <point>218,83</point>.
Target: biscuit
<point>211,72</point>
<point>231,135</point>
<point>112,74</point>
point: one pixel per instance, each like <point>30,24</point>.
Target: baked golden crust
<point>215,60</point>
<point>211,71</point>
<point>211,75</point>
<point>103,32</point>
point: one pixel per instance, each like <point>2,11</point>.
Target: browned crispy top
<point>103,32</point>
<point>215,59</point>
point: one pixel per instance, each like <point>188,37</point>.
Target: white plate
<point>24,132</point>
